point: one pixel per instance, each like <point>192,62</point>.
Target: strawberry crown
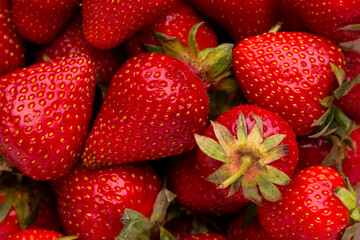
<point>246,160</point>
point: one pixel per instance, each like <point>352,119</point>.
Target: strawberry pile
<point>179,119</point>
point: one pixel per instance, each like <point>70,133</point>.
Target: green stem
<point>246,163</point>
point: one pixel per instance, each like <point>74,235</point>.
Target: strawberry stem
<point>246,162</point>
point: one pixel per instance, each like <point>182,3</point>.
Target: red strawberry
<point>288,73</point>
<point>32,234</point>
<point>108,23</point>
<point>176,23</point>
<point>194,192</point>
<point>350,103</point>
<point>91,202</point>
<point>39,21</point>
<point>72,41</point>
<point>309,208</point>
<point>30,205</point>
<point>248,152</point>
<point>205,236</point>
<point>11,44</point>
<point>241,19</point>
<point>45,114</point>
<point>326,17</point>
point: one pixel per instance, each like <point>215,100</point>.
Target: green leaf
<point>224,136</point>
<point>250,190</point>
<point>211,148</point>
<point>259,122</point>
<point>346,197</point>
<point>350,232</point>
<point>162,202</point>
<point>352,27</point>
<point>276,176</point>
<point>346,87</point>
<point>276,28</point>
<point>235,186</point>
<point>271,142</point>
<point>241,129</point>
<point>220,175</point>
<point>255,137</point>
<point>268,190</point>
<point>35,207</point>
<point>166,235</point>
<point>339,73</point>
<point>151,48</point>
<point>6,205</point>
<point>341,119</point>
<point>22,211</point>
<point>68,238</point>
<point>274,154</point>
<point>136,226</point>
<point>193,46</point>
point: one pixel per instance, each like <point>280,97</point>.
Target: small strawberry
<point>91,202</point>
<point>193,191</point>
<point>156,102</point>
<point>108,23</point>
<point>290,73</point>
<point>206,236</point>
<point>176,23</point>
<point>72,41</point>
<point>326,18</point>
<point>45,112</point>
<point>25,204</point>
<point>39,21</point>
<point>248,152</point>
<point>241,19</point>
<point>40,234</point>
<point>12,48</point>
<point>311,208</point>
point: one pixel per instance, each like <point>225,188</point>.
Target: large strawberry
<point>45,112</point>
<point>92,202</point>
<point>309,208</point>
<point>11,44</point>
<point>25,204</point>
<point>72,41</point>
<point>326,17</point>
<point>108,23</point>
<point>156,102</point>
<point>248,152</point>
<point>241,19</point>
<point>289,73</point>
<point>39,21</point>
<point>176,23</point>
<point>38,234</point>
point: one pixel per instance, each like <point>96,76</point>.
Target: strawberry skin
<point>153,106</point>
<point>39,234</point>
<point>39,21</point>
<point>72,41</point>
<point>206,236</point>
<point>11,44</point>
<point>175,23</point>
<point>241,19</point>
<point>288,73</point>
<point>91,202</point>
<point>45,114</point>
<point>108,23</point>
<point>309,209</point>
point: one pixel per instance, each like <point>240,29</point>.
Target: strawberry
<point>205,236</point>
<point>289,73</point>
<point>39,21</point>
<point>108,23</point>
<point>176,23</point>
<point>31,234</point>
<point>91,202</point>
<point>45,114</point>
<point>349,103</point>
<point>248,152</point>
<point>25,204</point>
<point>241,19</point>
<point>193,191</point>
<point>72,41</point>
<point>309,208</point>
<point>12,48</point>
<point>326,17</point>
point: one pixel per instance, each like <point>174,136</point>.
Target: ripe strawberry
<point>326,17</point>
<point>288,73</point>
<point>32,234</point>
<point>241,19</point>
<point>108,23</point>
<point>205,236</point>
<point>11,44</point>
<point>45,114</point>
<point>25,204</point>
<point>193,191</point>
<point>39,21</point>
<point>72,41</point>
<point>349,103</point>
<point>248,152</point>
<point>176,23</point>
<point>91,202</point>
<point>309,209</point>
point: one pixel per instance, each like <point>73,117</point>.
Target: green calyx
<point>348,197</point>
<point>212,64</point>
<point>352,27</point>
<point>246,158</point>
<point>137,226</point>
